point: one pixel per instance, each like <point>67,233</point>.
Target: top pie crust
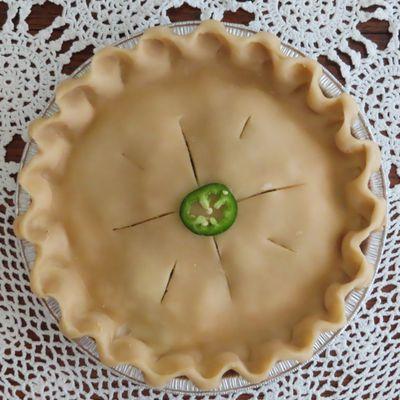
<point>154,294</point>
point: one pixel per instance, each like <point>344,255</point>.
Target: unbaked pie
<point>147,126</point>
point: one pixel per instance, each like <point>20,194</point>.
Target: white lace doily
<point>36,361</point>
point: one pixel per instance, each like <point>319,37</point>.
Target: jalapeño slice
<point>218,209</point>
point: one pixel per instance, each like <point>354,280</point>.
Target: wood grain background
<point>42,15</point>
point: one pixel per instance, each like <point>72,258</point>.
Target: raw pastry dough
<point>114,165</point>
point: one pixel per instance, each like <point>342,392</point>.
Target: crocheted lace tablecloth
<point>36,360</point>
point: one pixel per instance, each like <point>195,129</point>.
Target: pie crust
<point>145,127</point>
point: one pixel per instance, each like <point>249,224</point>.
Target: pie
<point>147,126</point>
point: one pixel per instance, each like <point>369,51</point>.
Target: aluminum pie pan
<point>372,247</point>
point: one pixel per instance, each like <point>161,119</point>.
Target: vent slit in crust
<point>271,190</point>
<point>144,221</point>
<point>169,281</point>
<point>217,248</point>
<point>190,155</point>
<point>244,127</point>
<point>221,265</point>
<point>281,245</point>
<point>132,162</point>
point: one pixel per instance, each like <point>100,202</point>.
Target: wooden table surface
<point>41,16</point>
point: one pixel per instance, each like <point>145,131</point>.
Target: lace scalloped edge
<point>76,99</point>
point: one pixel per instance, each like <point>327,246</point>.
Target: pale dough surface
<point>228,300</point>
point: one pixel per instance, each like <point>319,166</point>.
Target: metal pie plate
<point>372,248</point>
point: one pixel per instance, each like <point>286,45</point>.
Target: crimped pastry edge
<point>81,94</point>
